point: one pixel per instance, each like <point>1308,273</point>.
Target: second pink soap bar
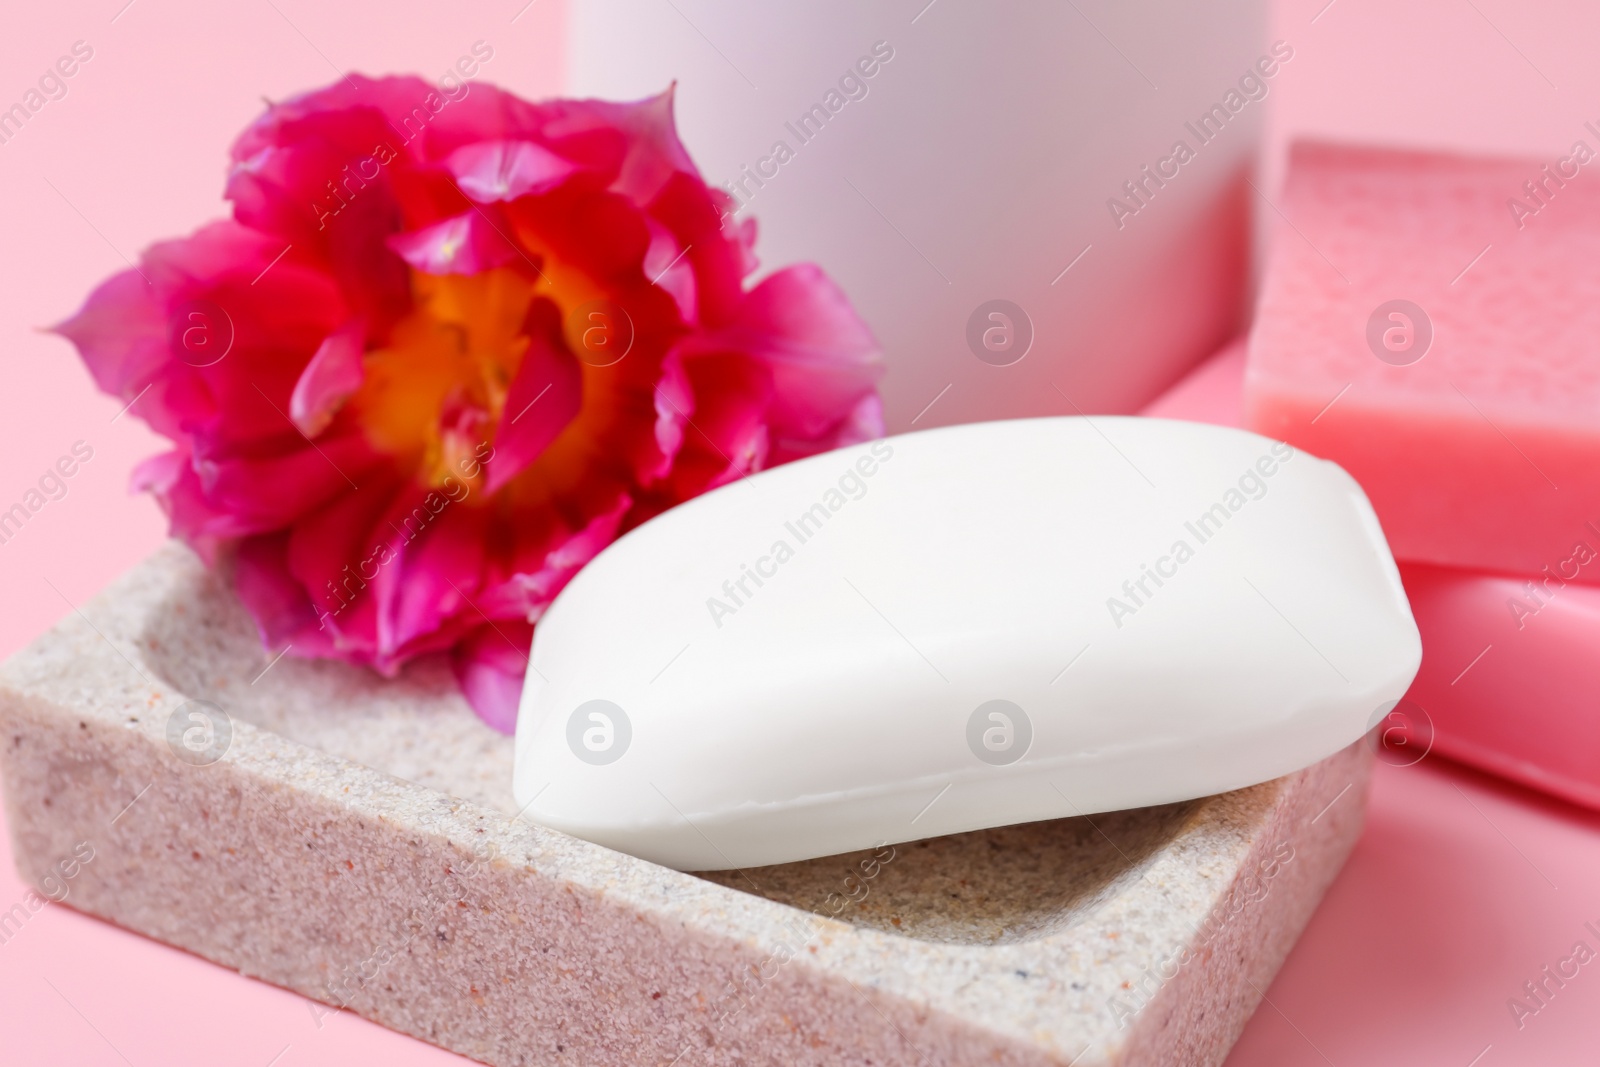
<point>1432,324</point>
<point>1510,677</point>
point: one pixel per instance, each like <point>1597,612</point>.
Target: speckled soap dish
<point>354,840</point>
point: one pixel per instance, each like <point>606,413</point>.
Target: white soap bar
<point>961,628</point>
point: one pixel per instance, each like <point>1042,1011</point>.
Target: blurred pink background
<point>1462,889</point>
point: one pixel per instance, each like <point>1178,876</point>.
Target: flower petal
<point>542,400</point>
<point>336,551</point>
<point>674,404</point>
<point>529,590</point>
<point>728,437</point>
<point>276,600</point>
<point>666,264</point>
<point>864,423</point>
<point>823,358</point>
<point>170,477</point>
<point>436,572</point>
<point>333,374</point>
<point>121,333</point>
<point>272,489</point>
<point>206,319</point>
<point>644,131</point>
<point>488,171</point>
<point>465,244</point>
<point>490,665</point>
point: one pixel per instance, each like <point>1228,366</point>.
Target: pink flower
<point>449,348</point>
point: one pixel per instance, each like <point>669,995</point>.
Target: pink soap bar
<point>1510,678</point>
<point>1432,324</point>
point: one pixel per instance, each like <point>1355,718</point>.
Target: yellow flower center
<point>437,388</point>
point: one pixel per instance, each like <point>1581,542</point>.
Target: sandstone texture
<point>355,840</point>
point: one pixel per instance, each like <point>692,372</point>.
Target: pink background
<point>1462,889</point>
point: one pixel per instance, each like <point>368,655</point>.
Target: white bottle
<point>966,627</point>
<point>967,153</point>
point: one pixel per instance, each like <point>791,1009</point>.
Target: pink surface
<point>1481,448</point>
<point>1209,393</point>
<point>1442,913</point>
<point>1460,890</point>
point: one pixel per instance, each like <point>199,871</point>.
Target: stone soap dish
<point>355,840</point>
